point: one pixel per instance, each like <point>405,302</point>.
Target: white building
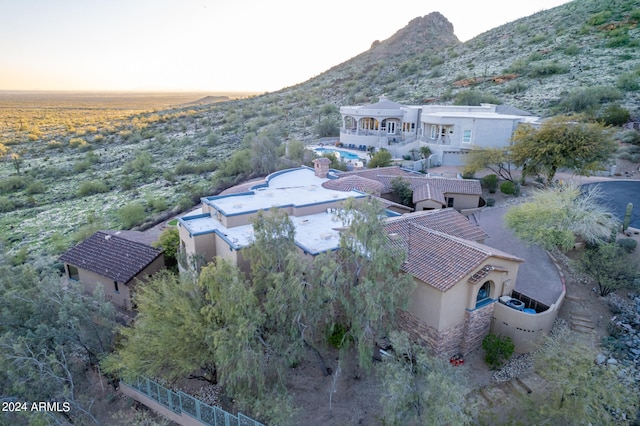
<point>449,131</point>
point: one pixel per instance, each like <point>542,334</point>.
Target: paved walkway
<point>538,277</point>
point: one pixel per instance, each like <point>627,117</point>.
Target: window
<point>73,273</point>
<point>449,201</point>
<point>115,287</point>
<point>483,294</point>
<point>434,131</point>
<point>466,136</point>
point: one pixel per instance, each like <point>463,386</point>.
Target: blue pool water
<point>345,155</point>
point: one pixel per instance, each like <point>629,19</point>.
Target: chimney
<point>321,167</point>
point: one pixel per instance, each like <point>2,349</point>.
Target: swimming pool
<point>345,155</point>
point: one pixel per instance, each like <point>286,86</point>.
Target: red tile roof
<point>428,192</point>
<point>442,260</point>
<point>448,221</point>
<point>359,183</point>
<point>445,185</point>
<point>111,256</point>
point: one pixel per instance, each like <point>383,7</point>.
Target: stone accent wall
<point>445,343</point>
<point>477,324</point>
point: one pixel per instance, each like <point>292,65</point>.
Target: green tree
<point>169,242</point>
<point>170,315</point>
<point>50,336</point>
<point>369,285</point>
<point>421,389</point>
<point>403,190</point>
<point>327,128</point>
<point>578,390</point>
<point>382,158</point>
<point>562,142</point>
<point>296,151</point>
<point>610,266</point>
<point>557,215</point>
<point>497,160</point>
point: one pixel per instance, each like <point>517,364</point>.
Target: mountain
<point>576,57</point>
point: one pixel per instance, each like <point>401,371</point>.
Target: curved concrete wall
<point>523,328</point>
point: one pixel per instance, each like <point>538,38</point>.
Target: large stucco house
<point>116,260</point>
<point>450,131</point>
<point>459,280</point>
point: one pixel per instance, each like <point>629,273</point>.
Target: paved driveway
<point>538,277</point>
<point>616,196</point>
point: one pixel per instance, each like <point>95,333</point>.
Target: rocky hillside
<point>576,57</point>
<point>583,56</point>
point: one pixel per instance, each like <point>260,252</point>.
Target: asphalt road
<point>616,195</point>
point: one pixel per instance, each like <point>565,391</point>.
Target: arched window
<point>483,294</point>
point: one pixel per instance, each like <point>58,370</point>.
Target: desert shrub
<point>519,66</point>
<point>630,136</point>
<point>475,97</point>
<point>548,68</point>
<point>213,139</point>
<point>507,188</point>
<point>628,81</point>
<point>497,350</point>
<point>131,215</point>
<point>184,168</point>
<point>589,98</point>
<point>54,145</point>
<point>490,182</point>
<point>614,115</point>
<point>158,204</point>
<point>77,142</point>
<point>491,202</point>
<point>92,187</point>
<point>35,187</point>
<point>6,205</point>
<point>515,87</point>
<point>571,49</point>
<point>628,244</point>
<point>12,184</point>
<point>618,38</point>
<point>81,166</point>
<point>98,138</point>
<point>327,128</point>
<point>599,18</point>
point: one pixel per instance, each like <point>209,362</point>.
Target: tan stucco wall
<point>429,204</point>
<point>441,310</point>
<point>524,329</point>
<point>91,280</point>
<point>463,201</point>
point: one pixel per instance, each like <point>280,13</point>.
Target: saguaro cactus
<point>627,217</point>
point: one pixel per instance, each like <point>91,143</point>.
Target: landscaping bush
<point>336,337</point>
<point>490,182</point>
<point>628,244</point>
<point>497,350</point>
<point>507,188</point>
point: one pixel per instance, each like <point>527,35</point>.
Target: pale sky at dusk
<point>210,45</point>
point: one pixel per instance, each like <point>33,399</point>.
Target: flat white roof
<point>295,187</point>
<point>315,233</point>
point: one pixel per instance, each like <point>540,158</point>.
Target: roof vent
<point>107,237</point>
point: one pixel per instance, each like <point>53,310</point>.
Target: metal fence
<point>180,402</point>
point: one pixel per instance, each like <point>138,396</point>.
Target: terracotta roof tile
<point>445,185</point>
<point>448,221</point>
<point>439,259</point>
<point>428,192</point>
<point>358,183</point>
<point>111,256</point>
